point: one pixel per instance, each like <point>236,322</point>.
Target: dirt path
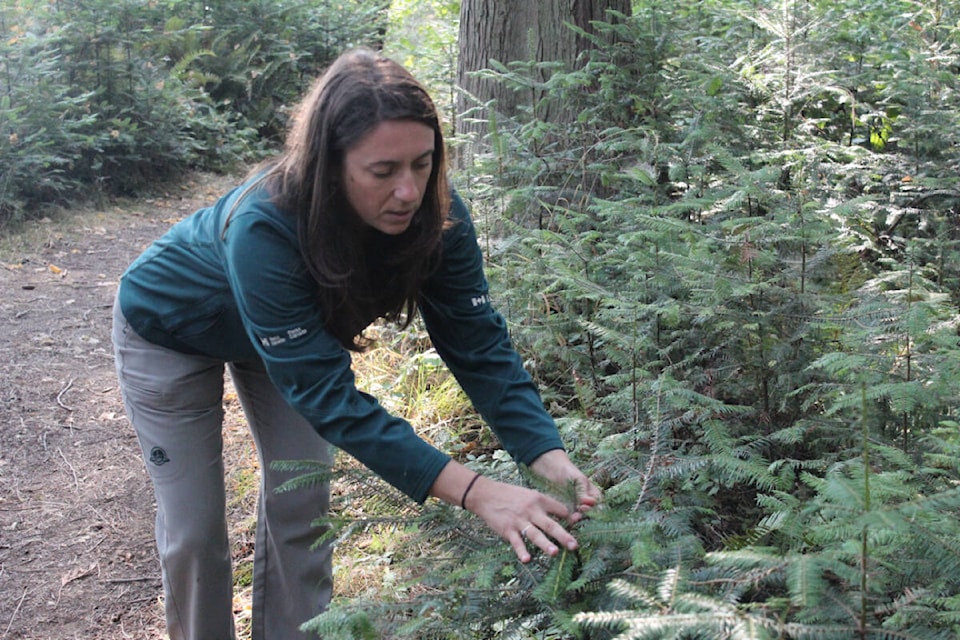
<point>77,558</point>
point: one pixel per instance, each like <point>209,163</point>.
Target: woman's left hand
<point>556,467</point>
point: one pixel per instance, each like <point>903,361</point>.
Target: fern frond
<point>557,580</point>
<point>805,580</point>
<point>346,624</point>
<point>313,473</point>
<point>631,593</point>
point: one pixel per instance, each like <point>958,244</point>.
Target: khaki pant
<point>175,404</point>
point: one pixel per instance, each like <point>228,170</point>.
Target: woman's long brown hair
<point>361,273</point>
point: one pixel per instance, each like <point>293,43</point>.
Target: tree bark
<point>508,31</point>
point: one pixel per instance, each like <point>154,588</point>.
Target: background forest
<point>732,263</point>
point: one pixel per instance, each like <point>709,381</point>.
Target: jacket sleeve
<point>276,300</point>
<point>471,337</point>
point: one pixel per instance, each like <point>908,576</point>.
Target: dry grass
<point>242,480</point>
<point>409,380</point>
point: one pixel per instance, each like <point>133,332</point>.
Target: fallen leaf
<point>76,574</point>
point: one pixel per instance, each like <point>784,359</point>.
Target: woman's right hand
<point>520,516</point>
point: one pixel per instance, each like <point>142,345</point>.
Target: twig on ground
<point>142,600</point>
<point>86,313</point>
<point>15,612</point>
<point>62,392</point>
<point>125,580</point>
<point>76,481</point>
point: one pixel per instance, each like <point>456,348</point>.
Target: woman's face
<point>386,173</point>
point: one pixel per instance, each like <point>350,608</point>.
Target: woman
<point>354,221</point>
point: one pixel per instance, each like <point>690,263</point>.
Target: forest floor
<point>77,555</point>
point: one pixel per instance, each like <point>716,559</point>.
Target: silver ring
<point>523,532</point>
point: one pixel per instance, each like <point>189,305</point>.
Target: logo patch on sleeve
<point>291,334</point>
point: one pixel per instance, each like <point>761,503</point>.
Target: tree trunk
<point>507,31</point>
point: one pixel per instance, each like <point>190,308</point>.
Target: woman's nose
<point>407,189</point>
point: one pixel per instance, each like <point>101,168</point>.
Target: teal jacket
<point>241,291</point>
